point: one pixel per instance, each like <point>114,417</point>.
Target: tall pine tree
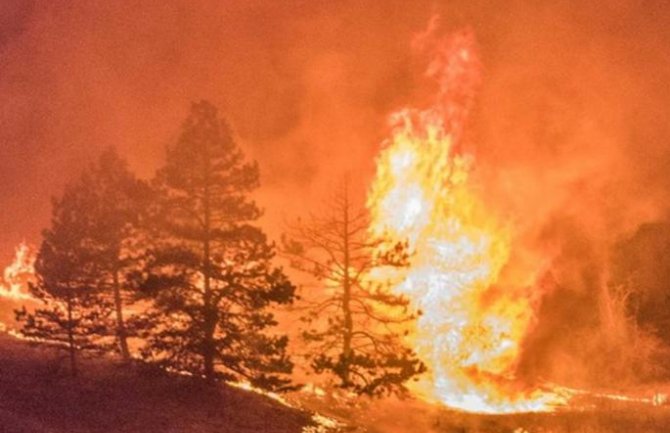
<point>210,273</point>
<point>113,200</point>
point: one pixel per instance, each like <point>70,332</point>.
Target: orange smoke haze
<point>568,128</point>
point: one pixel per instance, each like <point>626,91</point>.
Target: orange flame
<point>17,276</point>
<point>470,331</point>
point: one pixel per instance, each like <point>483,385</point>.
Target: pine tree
<point>210,274</point>
<point>355,325</point>
<point>73,313</point>
<point>113,200</point>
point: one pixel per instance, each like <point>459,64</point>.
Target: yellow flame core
<point>469,331</point>
<point>15,278</point>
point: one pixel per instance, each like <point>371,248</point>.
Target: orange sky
<point>573,103</point>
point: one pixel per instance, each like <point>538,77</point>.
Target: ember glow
<point>470,330</point>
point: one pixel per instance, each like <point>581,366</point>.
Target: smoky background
<point>569,130</point>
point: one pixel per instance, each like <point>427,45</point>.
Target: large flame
<point>470,330</point>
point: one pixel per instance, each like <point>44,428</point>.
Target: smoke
<point>306,85</point>
<point>573,155</point>
<point>569,132</point>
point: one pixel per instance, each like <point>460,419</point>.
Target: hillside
<point>37,396</point>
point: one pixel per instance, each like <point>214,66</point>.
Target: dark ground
<point>37,396</point>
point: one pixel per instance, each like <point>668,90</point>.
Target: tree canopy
<point>209,272</point>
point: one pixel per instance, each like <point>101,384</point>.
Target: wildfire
<point>470,330</point>
<point>18,275</point>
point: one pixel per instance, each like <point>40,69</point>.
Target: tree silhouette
<point>113,202</point>
<point>73,314</point>
<point>209,272</point>
<point>355,324</point>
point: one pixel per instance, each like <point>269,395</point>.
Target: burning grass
<point>642,419</point>
<point>587,414</point>
<point>37,395</point>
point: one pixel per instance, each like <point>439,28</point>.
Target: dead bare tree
<point>355,325</point>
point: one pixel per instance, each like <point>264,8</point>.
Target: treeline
<point>176,272</point>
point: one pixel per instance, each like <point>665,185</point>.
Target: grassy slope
<point>36,397</point>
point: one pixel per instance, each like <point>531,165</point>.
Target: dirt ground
<point>37,396</point>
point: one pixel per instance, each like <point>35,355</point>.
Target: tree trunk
<point>210,317</point>
<point>70,338</point>
<point>346,297</point>
<point>120,325</point>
